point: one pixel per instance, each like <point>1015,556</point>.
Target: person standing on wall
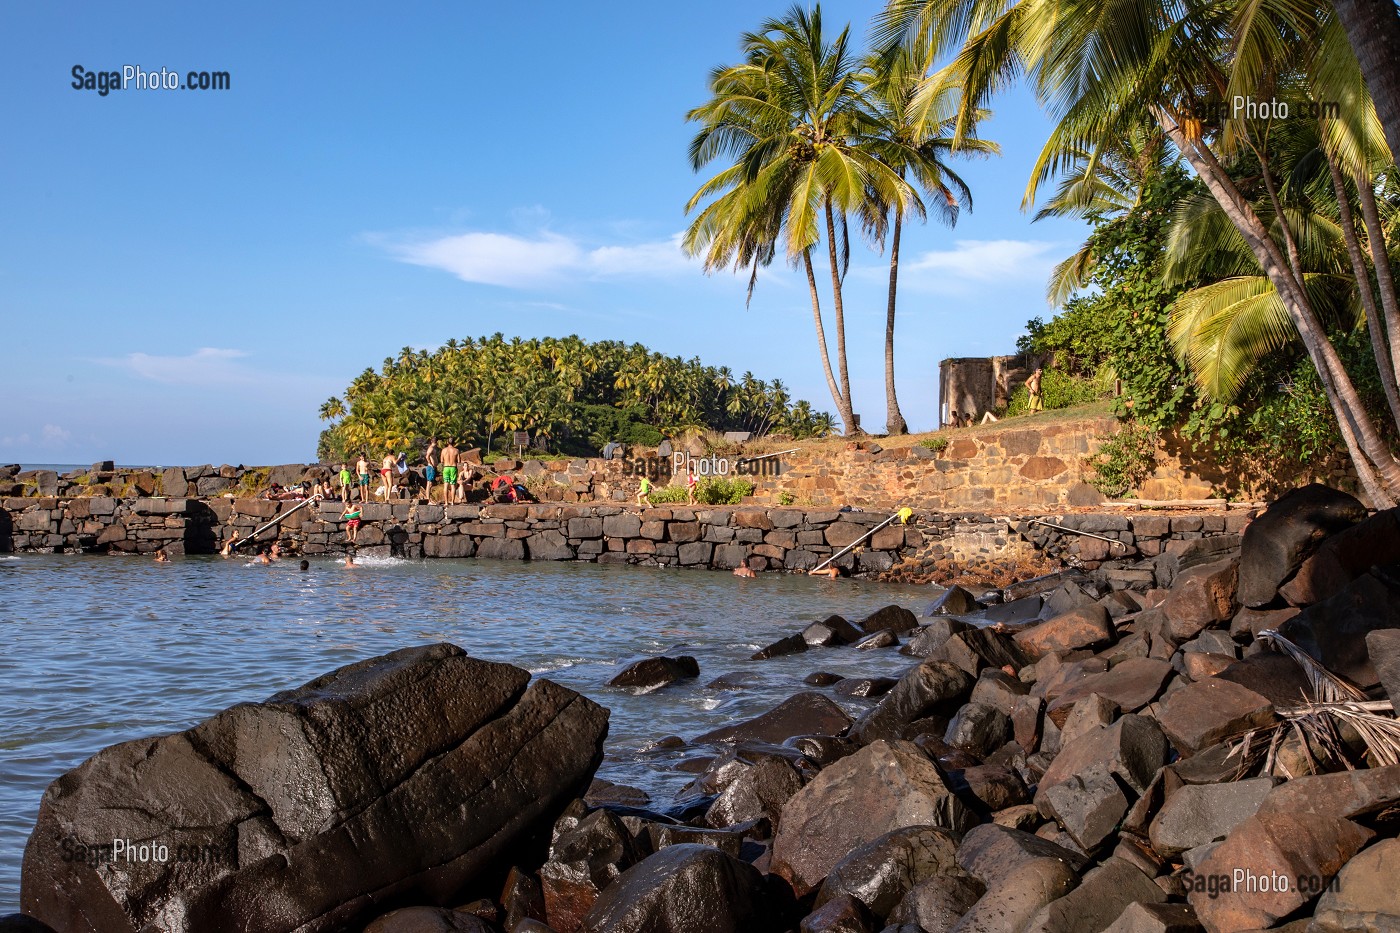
<point>430,464</point>
<point>1034,402</point>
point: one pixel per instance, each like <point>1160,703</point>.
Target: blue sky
<point>185,276</point>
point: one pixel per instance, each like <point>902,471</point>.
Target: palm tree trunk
<point>1373,29</point>
<point>1385,281</point>
<point>1368,451</point>
<point>840,314</point>
<point>894,419</point>
<point>1363,285</point>
<point>843,405</point>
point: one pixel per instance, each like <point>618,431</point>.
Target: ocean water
<point>100,650</point>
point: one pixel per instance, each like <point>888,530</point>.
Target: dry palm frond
<point>1327,687</point>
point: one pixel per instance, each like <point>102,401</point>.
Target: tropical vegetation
<point>569,395</point>
<point>1278,250</point>
<point>815,137</point>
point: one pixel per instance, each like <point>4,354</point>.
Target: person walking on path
<point>644,492</point>
<point>430,465</point>
<point>1034,402</point>
<point>451,456</point>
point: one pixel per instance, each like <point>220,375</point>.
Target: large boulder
<point>881,872</point>
<point>1082,627</point>
<point>1275,544</point>
<point>1304,830</point>
<point>1199,597</point>
<point>451,766</point>
<point>588,853</point>
<point>1208,711</point>
<point>1334,631</point>
<point>685,888</point>
<point>650,673</point>
<point>1022,874</point>
<point>1133,748</point>
<point>1345,556</point>
<point>1197,814</point>
<point>803,714</point>
<point>894,619</point>
<point>932,688</point>
<point>1364,896</point>
<point>881,788</point>
<point>1100,898</point>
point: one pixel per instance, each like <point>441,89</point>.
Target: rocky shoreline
<point>1213,755</point>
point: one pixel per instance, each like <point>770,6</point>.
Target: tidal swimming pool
<point>99,650</point>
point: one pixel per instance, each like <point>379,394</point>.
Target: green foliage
<point>662,495</point>
<point>1123,460</point>
<point>568,394</point>
<point>786,498</point>
<point>1063,390</point>
<point>720,490</point>
<point>938,443</point>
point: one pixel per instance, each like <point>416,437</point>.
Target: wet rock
<point>1275,543</point>
<point>996,788</point>
<point>883,787</point>
<point>1303,829</point>
<point>1364,896</point>
<point>895,619</point>
<point>954,601</point>
<point>1088,807</point>
<point>977,648</point>
<point>735,680</point>
<point>447,762</point>
<point>979,729</point>
<point>1334,632</point>
<point>833,630</point>
<point>1200,813</point>
<point>602,792</point>
<point>881,639</point>
<point>587,854</point>
<point>683,889</point>
<point>428,920</point>
<point>1345,556</point>
<point>881,872</point>
<point>662,835</point>
<point>934,687</point>
<point>1025,722</point>
<point>1206,712</point>
<point>1200,597</point>
<point>1098,901</point>
<point>991,853</point>
<point>22,923</point>
<point>792,644</point>
<point>823,749</point>
<point>803,714</point>
<point>1133,748</point>
<point>650,673</point>
<point>822,679</point>
<point>1024,817</point>
<point>760,791</point>
<point>1082,627</point>
<point>1021,872</point>
<point>937,904</point>
<point>844,914</point>
<point>1139,917</point>
<point>865,686</point>
<point>522,898</point>
<point>926,639</point>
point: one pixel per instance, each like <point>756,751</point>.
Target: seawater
<point>100,650</point>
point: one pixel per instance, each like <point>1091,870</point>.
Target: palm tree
<point>1107,67</point>
<point>1373,29</point>
<point>914,117</point>
<point>792,117</point>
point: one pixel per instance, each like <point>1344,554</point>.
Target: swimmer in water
<point>305,566</point>
<point>830,572</point>
<point>227,549</point>
<point>162,557</point>
<point>744,570</point>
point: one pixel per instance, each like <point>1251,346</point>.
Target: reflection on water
<point>99,650</point>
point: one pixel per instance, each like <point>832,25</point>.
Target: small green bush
<point>1124,460</point>
<point>938,443</point>
<point>717,490</point>
<point>786,498</point>
<point>665,494</point>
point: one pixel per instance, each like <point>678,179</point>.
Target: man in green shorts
<point>346,486</point>
<point>450,458</point>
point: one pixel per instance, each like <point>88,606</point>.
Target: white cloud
<point>51,435</point>
<point>547,258</point>
<point>980,261</point>
<point>207,366</point>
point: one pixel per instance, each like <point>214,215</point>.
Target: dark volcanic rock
<point>1022,874</point>
<point>1200,597</point>
<point>1383,647</point>
<point>588,853</point>
<point>450,764</point>
<point>938,903</point>
<point>1334,632</point>
<point>865,686</point>
<point>792,644</point>
<point>1132,684</point>
<point>934,687</point>
<point>21,923</point>
<point>1344,557</point>
<point>954,601</point>
<point>1155,918</point>
<point>759,791</point>
<point>803,714</point>
<point>1275,544</point>
<point>735,680</point>
<point>1364,897</point>
<point>977,648</point>
<point>1100,898</point>
<point>1083,627</point>
<point>979,729</point>
<point>650,673</point>
<point>927,639</point>
<point>428,920</point>
<point>683,889</point>
<point>881,639</point>
<point>895,619</point>
<point>1200,813</point>
<point>1201,714</point>
<point>882,871</point>
<point>833,630</point>
<point>883,787</point>
<point>844,914</point>
<point>822,679</point>
<point>1133,748</point>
